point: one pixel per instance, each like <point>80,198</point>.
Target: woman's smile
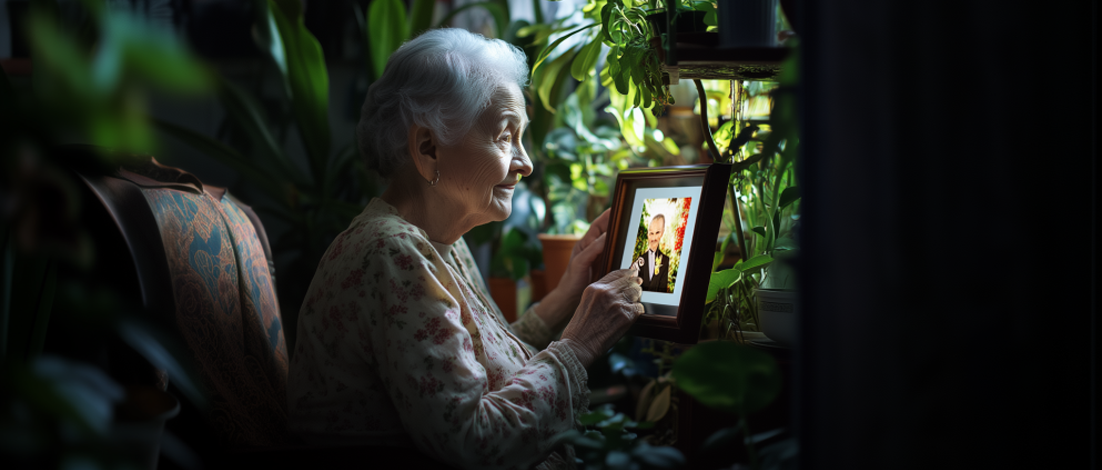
<point>481,172</point>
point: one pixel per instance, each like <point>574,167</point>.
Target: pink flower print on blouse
<point>396,344</point>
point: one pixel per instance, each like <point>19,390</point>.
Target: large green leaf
<point>790,195</point>
<point>387,29</point>
<point>420,16</point>
<point>131,46</point>
<point>606,16</point>
<point>550,84</point>
<point>268,38</point>
<point>291,9</point>
<point>67,391</point>
<point>592,57</point>
<point>753,264</point>
<point>309,86</point>
<point>60,65</point>
<point>547,51</point>
<point>616,71</point>
<point>227,155</point>
<point>785,243</point>
<point>721,280</point>
<point>340,166</point>
<point>578,69</point>
<point>726,376</point>
<point>162,352</point>
<point>245,113</point>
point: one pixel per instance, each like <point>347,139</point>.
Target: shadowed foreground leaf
<point>726,376</point>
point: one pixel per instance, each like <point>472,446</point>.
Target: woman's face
<point>479,172</point>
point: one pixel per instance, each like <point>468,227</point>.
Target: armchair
<point>204,264</point>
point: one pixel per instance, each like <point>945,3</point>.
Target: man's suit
<point>651,281</point>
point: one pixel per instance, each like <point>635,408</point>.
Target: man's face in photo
<point>657,228</point>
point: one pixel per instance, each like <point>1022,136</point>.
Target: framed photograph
<point>665,221</point>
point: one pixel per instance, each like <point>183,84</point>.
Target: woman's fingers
<point>608,309</point>
<point>601,222</point>
<point>627,282</point>
<point>597,228</point>
<point>638,311</point>
<point>632,292</point>
<point>590,253</point>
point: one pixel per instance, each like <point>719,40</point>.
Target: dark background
<point>950,207</point>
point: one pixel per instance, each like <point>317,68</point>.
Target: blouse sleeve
<point>531,329</point>
<point>421,340</point>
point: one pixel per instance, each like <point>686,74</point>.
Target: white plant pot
<point>779,313</point>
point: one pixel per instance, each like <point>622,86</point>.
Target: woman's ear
<point>422,148</point>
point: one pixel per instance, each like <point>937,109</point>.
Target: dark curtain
<point>948,170</point>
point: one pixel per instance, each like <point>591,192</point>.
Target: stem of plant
<point>739,237</point>
<point>704,119</point>
<point>750,453</point>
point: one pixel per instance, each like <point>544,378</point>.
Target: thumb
<point>586,256</point>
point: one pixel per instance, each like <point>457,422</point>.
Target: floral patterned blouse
<point>400,344</point>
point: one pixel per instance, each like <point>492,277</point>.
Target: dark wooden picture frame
<point>678,323</point>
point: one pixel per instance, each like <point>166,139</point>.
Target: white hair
<point>441,80</point>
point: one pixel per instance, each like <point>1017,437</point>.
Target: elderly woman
<point>399,342</point>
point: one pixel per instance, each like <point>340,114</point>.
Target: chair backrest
<point>202,258</point>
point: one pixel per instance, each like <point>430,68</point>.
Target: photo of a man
<point>658,242</point>
<point>654,265</point>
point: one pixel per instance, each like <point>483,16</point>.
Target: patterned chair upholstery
<point>203,260</point>
<point>204,264</point>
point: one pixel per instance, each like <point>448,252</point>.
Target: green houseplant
<point>732,378</point>
<point>764,198</point>
<point>574,130</point>
<point>60,407</point>
<point>633,63</point>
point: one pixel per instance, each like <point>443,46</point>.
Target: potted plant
<point>513,259</point>
<point>611,443</point>
<point>763,217</point>
<point>632,31</point>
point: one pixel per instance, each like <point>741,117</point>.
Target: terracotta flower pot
<point>556,256</point>
<point>504,292</point>
<point>539,284</point>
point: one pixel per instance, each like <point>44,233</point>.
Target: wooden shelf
<point>703,59</point>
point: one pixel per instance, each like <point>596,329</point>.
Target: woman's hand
<point>608,308</point>
<point>560,303</point>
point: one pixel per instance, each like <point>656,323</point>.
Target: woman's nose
<point>521,162</point>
